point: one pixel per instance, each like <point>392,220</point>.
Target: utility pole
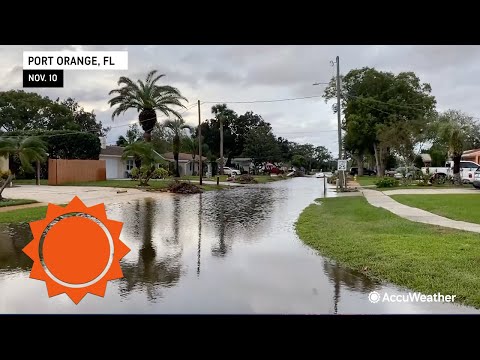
<point>339,119</point>
<point>200,170</point>
<point>220,117</point>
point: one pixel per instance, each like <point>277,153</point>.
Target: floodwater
<point>220,252</point>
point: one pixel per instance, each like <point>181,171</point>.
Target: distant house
<point>186,164</point>
<point>117,168</point>
<point>243,164</point>
<point>471,155</point>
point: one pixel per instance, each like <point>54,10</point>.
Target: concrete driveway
<point>90,195</point>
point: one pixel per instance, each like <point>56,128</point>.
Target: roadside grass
<point>366,180</point>
<point>13,202</point>
<point>29,182</point>
<point>153,184</point>
<point>261,179</point>
<point>463,207</point>
<point>23,215</point>
<point>385,247</point>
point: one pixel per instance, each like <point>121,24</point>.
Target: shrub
<point>5,174</point>
<point>160,173</point>
<point>387,182</point>
<point>134,173</point>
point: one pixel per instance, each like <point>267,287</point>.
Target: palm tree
<point>176,127</point>
<point>26,149</point>
<point>146,97</point>
<point>148,158</point>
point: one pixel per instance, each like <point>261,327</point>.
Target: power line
<point>260,101</point>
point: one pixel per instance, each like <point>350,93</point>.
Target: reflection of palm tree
<point>150,272</point>
<point>221,220</point>
<point>352,280</point>
<point>199,232</point>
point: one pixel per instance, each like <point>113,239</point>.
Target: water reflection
<point>243,244</point>
<point>13,238</point>
<point>151,272</point>
<point>341,278</point>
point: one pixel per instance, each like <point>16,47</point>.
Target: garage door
<point>112,168</point>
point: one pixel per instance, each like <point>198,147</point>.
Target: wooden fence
<point>62,171</point>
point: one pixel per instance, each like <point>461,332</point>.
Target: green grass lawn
<point>13,202</point>
<point>23,215</point>
<point>29,182</point>
<point>462,207</point>
<point>154,184</point>
<point>419,257</point>
<point>366,180</point>
<point>261,179</point>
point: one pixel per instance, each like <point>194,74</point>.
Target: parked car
<point>411,172</point>
<point>476,179</point>
<point>368,172</point>
<point>467,170</point>
<point>230,171</point>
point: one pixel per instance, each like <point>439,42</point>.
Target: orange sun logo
<point>76,249</point>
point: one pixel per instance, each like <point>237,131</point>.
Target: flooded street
<point>233,251</point>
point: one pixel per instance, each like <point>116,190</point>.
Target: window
<point>130,164</point>
<point>468,164</point>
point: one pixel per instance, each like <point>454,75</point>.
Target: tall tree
<point>376,104</point>
<point>261,145</point>
<point>176,127</point>
<point>20,110</point>
<point>27,150</point>
<point>146,97</point>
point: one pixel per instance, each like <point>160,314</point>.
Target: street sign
<point>342,165</point>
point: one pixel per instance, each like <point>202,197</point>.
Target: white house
<point>186,164</point>
<point>116,167</point>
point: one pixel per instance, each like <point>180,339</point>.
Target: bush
<point>246,179</point>
<point>387,182</point>
<point>160,173</point>
<point>5,174</point>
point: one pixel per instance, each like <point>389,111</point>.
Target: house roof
<point>181,157</point>
<point>471,152</point>
<point>112,150</point>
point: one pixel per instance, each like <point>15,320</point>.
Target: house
<point>241,163</point>
<point>471,155</point>
<point>186,164</point>
<point>117,168</point>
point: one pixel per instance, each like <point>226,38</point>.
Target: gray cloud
<point>260,72</point>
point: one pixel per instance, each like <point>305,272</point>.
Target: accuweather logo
<point>375,297</point>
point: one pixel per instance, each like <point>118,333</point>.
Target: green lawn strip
<point>153,184</point>
<point>463,207</point>
<point>419,257</point>
<point>29,182</point>
<point>13,202</point>
<point>23,215</point>
<point>367,180</point>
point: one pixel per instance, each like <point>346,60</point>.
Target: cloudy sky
<point>232,73</point>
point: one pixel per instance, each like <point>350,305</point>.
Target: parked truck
<point>467,171</point>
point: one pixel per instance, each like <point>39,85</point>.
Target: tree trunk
<point>457,180</point>
<point>379,159</point>
<point>177,170</point>
<point>147,136</point>
<point>37,180</point>
<point>359,160</point>
<point>221,147</point>
<point>6,182</point>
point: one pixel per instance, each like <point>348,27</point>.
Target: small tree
<point>144,151</point>
<point>176,127</point>
<point>27,150</point>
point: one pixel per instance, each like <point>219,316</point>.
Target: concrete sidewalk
<point>379,199</point>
